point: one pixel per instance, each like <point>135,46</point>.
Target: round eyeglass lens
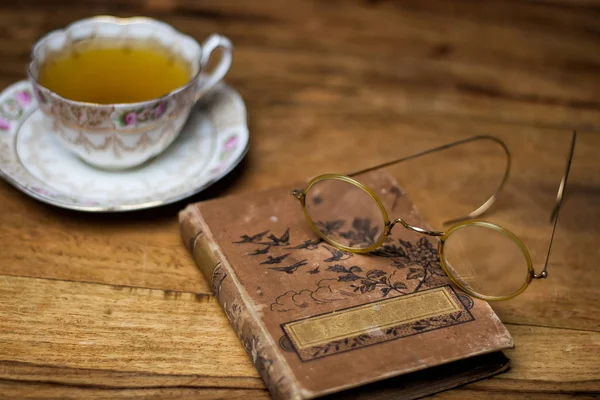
<point>486,259</point>
<point>344,213</point>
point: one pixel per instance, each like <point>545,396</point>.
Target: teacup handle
<point>208,81</point>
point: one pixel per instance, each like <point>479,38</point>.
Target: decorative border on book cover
<point>376,322</point>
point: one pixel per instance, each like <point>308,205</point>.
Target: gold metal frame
<point>301,195</point>
<point>505,232</point>
<point>466,220</point>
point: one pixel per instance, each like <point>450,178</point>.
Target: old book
<point>317,321</point>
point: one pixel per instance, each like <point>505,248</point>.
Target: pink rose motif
<point>4,124</point>
<point>160,110</point>
<point>130,118</point>
<point>216,170</point>
<point>42,191</point>
<point>24,98</point>
<point>231,143</point>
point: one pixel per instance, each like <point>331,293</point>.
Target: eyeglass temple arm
<point>557,205</point>
<point>488,203</point>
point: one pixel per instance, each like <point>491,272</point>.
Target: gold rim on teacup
<point>99,133</point>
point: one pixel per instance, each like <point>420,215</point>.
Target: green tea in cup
<point>107,71</point>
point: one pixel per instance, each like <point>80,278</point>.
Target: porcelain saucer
<point>213,141</point>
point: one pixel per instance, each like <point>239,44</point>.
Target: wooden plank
<point>139,339</point>
<point>466,394</point>
<point>549,360</point>
<point>146,252</point>
<point>108,378</point>
<point>91,326</point>
<point>49,391</point>
<point>425,58</point>
<point>14,390</point>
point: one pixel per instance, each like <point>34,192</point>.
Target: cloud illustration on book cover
<point>353,281</point>
<point>413,266</point>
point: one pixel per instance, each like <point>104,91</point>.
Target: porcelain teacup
<point>118,136</point>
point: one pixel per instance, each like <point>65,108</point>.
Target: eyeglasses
<point>483,259</point>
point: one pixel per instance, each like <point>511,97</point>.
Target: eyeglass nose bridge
<point>299,194</point>
<point>541,275</point>
<point>413,228</point>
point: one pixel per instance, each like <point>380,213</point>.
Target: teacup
<point>118,136</point>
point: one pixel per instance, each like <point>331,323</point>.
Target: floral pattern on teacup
<point>229,147</point>
<point>131,118</point>
<point>24,98</point>
<point>12,108</point>
<point>67,113</point>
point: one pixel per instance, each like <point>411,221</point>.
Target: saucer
<point>213,141</point>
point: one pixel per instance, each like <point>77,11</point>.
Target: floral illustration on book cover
<point>399,269</point>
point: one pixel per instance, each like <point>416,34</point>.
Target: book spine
<point>243,316</point>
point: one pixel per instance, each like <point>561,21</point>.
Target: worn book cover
<point>317,321</point>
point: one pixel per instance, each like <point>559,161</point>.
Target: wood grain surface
<point>108,306</point>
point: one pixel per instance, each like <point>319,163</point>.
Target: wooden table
<point>106,306</point>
